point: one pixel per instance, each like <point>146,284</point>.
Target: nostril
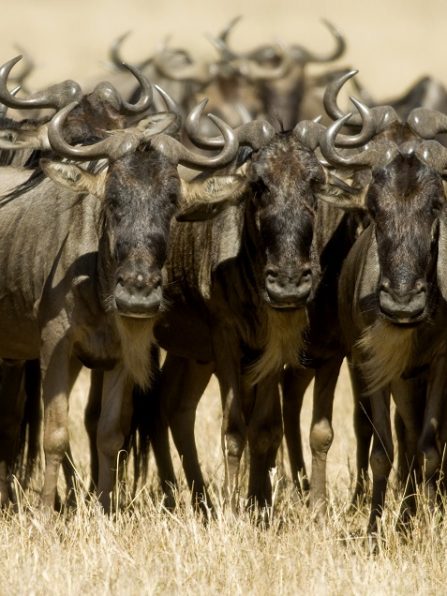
<point>421,286</point>
<point>271,274</point>
<point>306,276</point>
<point>385,285</point>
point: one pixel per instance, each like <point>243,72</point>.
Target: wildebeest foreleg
<point>294,384</point>
<point>11,410</point>
<point>429,456</point>
<point>183,384</point>
<point>264,437</point>
<point>363,429</point>
<point>321,432</point>
<point>407,394</point>
<point>382,454</point>
<point>59,373</point>
<point>113,426</point>
<point>91,417</point>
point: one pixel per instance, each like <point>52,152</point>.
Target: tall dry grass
<point>145,549</point>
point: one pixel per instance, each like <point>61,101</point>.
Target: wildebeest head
<point>283,177</point>
<point>101,109</point>
<point>404,196</point>
<point>277,183</point>
<point>139,191</point>
<point>405,199</point>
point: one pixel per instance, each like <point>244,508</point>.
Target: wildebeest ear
<point>205,198</point>
<point>36,138</point>
<point>74,177</point>
<point>346,193</point>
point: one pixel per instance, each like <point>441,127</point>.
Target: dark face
<point>140,200</point>
<point>285,176</point>
<point>405,200</point>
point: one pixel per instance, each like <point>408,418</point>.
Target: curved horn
<point>178,153</point>
<point>256,133</point>
<point>310,132</point>
<point>110,148</point>
<point>256,72</point>
<point>3,107</point>
<point>172,106</point>
<point>56,96</point>
<point>115,51</point>
<point>433,154</point>
<point>331,95</point>
<point>221,41</point>
<point>379,153</point>
<point>195,72</point>
<point>427,123</point>
<point>382,116</point>
<point>223,35</point>
<point>302,55</point>
<point>146,94</point>
<point>116,57</point>
<point>170,103</point>
<point>27,66</point>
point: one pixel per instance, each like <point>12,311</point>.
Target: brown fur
<point>282,343</point>
<point>136,337</point>
<point>389,349</point>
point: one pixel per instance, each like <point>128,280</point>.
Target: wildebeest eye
<point>173,197</point>
<point>261,193</point>
<point>437,205</point>
<point>117,215</point>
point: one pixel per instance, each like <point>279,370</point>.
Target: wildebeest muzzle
<point>288,289</point>
<point>138,293</point>
<point>403,304</point>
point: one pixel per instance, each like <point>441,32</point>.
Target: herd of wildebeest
<point>262,242</point>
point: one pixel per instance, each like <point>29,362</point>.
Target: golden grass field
<point>145,549</point>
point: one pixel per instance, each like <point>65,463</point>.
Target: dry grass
<point>146,549</point>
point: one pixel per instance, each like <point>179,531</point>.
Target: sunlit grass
<point>145,549</point>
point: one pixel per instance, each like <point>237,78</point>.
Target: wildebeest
<point>100,110</point>
<point>323,337</point>
<point>23,143</point>
<point>84,285</point>
<point>248,276</point>
<point>267,82</point>
<point>391,289</point>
